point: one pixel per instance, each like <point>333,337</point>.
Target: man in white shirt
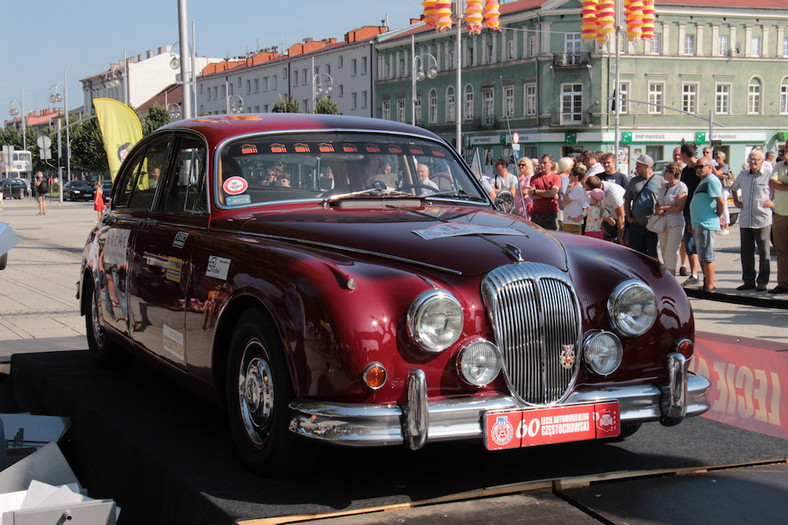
<point>613,202</point>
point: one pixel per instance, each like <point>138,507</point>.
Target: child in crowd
<point>595,214</point>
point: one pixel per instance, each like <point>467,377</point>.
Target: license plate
<point>542,426</point>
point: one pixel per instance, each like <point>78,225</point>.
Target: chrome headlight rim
<point>416,314</point>
<point>468,347</point>
<point>617,299</point>
<point>588,355</point>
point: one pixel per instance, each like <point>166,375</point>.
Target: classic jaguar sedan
<point>307,273</point>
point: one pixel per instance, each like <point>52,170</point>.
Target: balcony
<point>571,60</point>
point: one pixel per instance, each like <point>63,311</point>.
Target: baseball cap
<point>645,159</point>
<point>597,193</point>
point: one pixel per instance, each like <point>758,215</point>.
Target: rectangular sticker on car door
<point>217,267</point>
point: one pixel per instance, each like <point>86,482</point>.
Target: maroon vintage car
<point>306,272</point>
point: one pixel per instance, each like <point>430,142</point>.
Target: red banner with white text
<point>746,377</point>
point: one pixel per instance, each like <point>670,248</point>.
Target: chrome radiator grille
<point>535,313</point>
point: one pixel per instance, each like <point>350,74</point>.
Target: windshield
<point>277,168</point>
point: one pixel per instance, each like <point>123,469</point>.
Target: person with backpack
<point>639,200</point>
<point>40,189</point>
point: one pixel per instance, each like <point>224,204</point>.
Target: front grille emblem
<point>567,356</point>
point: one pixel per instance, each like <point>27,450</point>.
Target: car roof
<point>217,128</point>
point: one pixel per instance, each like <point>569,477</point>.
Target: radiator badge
<point>567,356</point>
<point>502,431</point>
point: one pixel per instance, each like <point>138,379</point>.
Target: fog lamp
<point>602,353</point>
<point>479,362</point>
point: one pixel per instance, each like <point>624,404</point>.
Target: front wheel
<point>259,392</point>
<point>103,351</point>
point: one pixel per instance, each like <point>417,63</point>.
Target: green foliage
<point>326,106</point>
<point>157,117</point>
<point>87,147</point>
<point>286,105</point>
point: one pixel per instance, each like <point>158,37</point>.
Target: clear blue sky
<point>42,39</point>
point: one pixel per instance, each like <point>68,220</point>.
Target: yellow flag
<point>120,129</point>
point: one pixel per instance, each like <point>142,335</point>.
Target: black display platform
<point>165,456</point>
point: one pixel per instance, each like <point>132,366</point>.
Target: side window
<point>138,188</point>
<point>187,191</point>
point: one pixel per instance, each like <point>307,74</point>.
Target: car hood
<point>463,240</point>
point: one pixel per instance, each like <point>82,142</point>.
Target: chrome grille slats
<point>534,312</point>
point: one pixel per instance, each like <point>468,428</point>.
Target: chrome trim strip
<point>377,425</point>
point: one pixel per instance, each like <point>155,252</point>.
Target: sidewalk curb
<point>761,302</point>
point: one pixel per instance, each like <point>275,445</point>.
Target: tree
<point>326,106</point>
<point>87,147</point>
<point>286,105</point>
<point>157,117</point>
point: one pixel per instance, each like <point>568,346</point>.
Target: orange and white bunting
<point>429,12</point>
<point>443,16</point>
<point>648,19</point>
<point>588,20</point>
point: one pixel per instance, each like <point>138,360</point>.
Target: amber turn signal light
<point>374,376</point>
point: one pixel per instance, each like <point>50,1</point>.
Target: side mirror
<point>504,202</point>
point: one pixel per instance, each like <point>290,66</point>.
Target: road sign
<point>44,142</point>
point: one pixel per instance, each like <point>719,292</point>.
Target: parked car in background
<point>296,270</point>
<point>14,188</point>
<point>78,190</point>
<point>106,189</point>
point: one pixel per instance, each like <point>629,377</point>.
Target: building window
<point>354,100</point>
<point>417,110</point>
<point>533,46</point>
<point>724,45</point>
<point>530,99</point>
<point>571,103</point>
<point>274,82</point>
<point>755,46</point>
<point>689,44</point>
<point>656,97</point>
<point>624,98</point>
<point>386,110</point>
<point>363,65</point>
<point>654,44</point>
<point>722,99</point>
<point>784,98</point>
<point>573,43</point>
<point>488,107</point>
<point>469,55</point>
<point>510,49</point>
<point>364,98</point>
<point>450,105</point>
<point>341,90</point>
<point>248,87</point>
<point>401,117</point>
<point>295,78</point>
<point>257,85</point>
<point>433,106</point>
<point>508,101</point>
<point>689,98</point>
<point>341,62</point>
<point>265,84</point>
<point>754,97</point>
<point>785,46</point>
<point>353,66</point>
<point>490,54</point>
<point>468,105</point>
<point>306,79</point>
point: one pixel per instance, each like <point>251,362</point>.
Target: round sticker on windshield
<point>235,185</point>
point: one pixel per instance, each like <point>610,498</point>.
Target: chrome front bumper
<point>421,420</point>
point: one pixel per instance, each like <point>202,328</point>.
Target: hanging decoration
<point>438,14</point>
<point>429,12</point>
<point>634,17</point>
<point>588,20</point>
<point>443,16</point>
<point>648,19</point>
<point>473,16</point>
<point>598,19</point>
<point>492,15</point>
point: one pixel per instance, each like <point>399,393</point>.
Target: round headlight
<point>479,362</point>
<point>602,352</point>
<point>435,320</point>
<point>633,308</point>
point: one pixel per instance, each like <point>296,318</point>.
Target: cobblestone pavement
<point>39,311</point>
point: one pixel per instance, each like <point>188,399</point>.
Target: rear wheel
<point>104,352</point>
<point>259,391</point>
<point>3,261</point>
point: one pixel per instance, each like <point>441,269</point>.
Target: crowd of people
<point>673,216</point>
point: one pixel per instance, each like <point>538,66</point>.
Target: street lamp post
<point>174,110</point>
<point>418,74</point>
<point>233,106</point>
<point>117,78</point>
<point>322,84</point>
<point>188,95</point>
<point>54,97</point>
<point>15,107</point>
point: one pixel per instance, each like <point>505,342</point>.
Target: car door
<point>160,267</point>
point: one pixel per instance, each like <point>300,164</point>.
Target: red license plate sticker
<point>543,426</point>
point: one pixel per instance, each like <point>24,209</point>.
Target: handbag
<point>656,223</point>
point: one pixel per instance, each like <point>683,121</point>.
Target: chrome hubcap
<point>255,392</point>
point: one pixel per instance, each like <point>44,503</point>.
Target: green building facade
<point>711,75</point>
